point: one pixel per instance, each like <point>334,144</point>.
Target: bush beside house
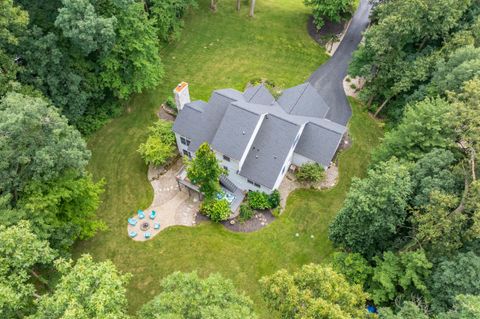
<point>216,210</point>
<point>310,172</point>
<point>160,144</point>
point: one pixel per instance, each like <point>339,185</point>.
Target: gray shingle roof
<point>235,131</point>
<point>303,100</point>
<point>269,150</point>
<point>229,119</point>
<point>319,143</point>
<point>258,95</point>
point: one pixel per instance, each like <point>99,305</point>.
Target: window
<point>184,141</point>
<point>225,157</point>
<point>225,168</point>
<point>258,185</point>
<point>187,153</point>
<point>250,182</point>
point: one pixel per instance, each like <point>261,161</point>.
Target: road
<point>328,78</point>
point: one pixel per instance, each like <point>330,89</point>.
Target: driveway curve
<point>328,78</point>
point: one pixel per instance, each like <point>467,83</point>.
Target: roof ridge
<point>228,97</point>
<point>324,127</point>
<point>294,105</point>
<point>256,91</point>
<point>233,103</point>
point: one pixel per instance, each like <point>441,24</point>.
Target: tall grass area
<point>218,50</point>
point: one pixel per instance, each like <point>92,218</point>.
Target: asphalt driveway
<point>328,78</point>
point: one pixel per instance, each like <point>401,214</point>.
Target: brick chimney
<point>182,96</point>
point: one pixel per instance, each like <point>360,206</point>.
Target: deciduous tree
<point>186,295</point>
<point>314,291</point>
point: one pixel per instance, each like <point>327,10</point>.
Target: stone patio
<point>172,206</point>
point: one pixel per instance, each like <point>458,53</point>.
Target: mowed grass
<point>225,49</point>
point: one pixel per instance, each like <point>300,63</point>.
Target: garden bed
<point>257,222</point>
<point>329,30</point>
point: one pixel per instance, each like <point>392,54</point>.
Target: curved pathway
<point>328,78</point>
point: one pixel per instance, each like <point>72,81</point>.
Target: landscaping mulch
<point>164,115</point>
<point>257,222</point>
<point>323,35</point>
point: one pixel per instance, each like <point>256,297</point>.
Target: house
<point>256,137</point>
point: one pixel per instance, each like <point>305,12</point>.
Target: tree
<point>37,144</point>
<point>133,64</point>
<point>465,307</point>
<point>374,210</point>
<point>84,27</point>
<point>160,145</point>
<point>353,266</point>
<point>400,275</point>
<point>424,127</point>
<point>333,10</point>
<point>313,292</point>
<point>409,310</point>
<point>168,17</point>
<point>434,171</point>
<point>85,290</point>
<point>455,276</point>
<point>186,295</point>
<point>400,48</point>
<point>216,210</point>
<point>310,172</point>
<point>62,210</point>
<point>205,171</point>
<point>20,252</point>
<point>13,23</point>
<point>461,65</point>
<point>252,8</point>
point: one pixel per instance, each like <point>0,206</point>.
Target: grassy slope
<point>225,49</point>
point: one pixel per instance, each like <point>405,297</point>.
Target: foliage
<point>13,24</point>
<point>246,212</point>
<point>38,144</point>
<point>216,210</point>
<point>404,43</point>
<point>424,127</point>
<point>353,266</point>
<point>186,295</point>
<point>465,307</point>
<point>333,10</point>
<point>20,251</point>
<point>433,172</point>
<point>204,170</point>
<point>62,210</point>
<point>160,145</point>
<point>133,64</point>
<point>85,290</point>
<point>314,291</point>
<point>409,310</point>
<point>455,276</point>
<point>168,17</point>
<point>462,65</point>
<point>276,212</point>
<point>84,27</point>
<point>170,102</point>
<point>310,172</point>
<point>258,200</point>
<point>373,210</point>
<point>405,274</point>
<point>274,199</point>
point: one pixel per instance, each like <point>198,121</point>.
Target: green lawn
<point>220,50</point>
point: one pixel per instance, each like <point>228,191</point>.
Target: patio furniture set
<point>144,224</point>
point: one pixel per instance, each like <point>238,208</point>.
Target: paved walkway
<point>172,206</point>
<point>328,78</point>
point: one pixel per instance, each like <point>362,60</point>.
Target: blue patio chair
<point>147,235</point>
<point>156,226</point>
<point>153,214</point>
<point>132,221</point>
<point>140,213</point>
<point>132,234</point>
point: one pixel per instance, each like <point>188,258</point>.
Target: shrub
<point>274,199</point>
<point>245,212</point>
<point>170,103</point>
<point>310,172</point>
<point>334,10</point>
<point>258,200</point>
<point>276,211</point>
<point>160,144</point>
<point>216,210</point>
